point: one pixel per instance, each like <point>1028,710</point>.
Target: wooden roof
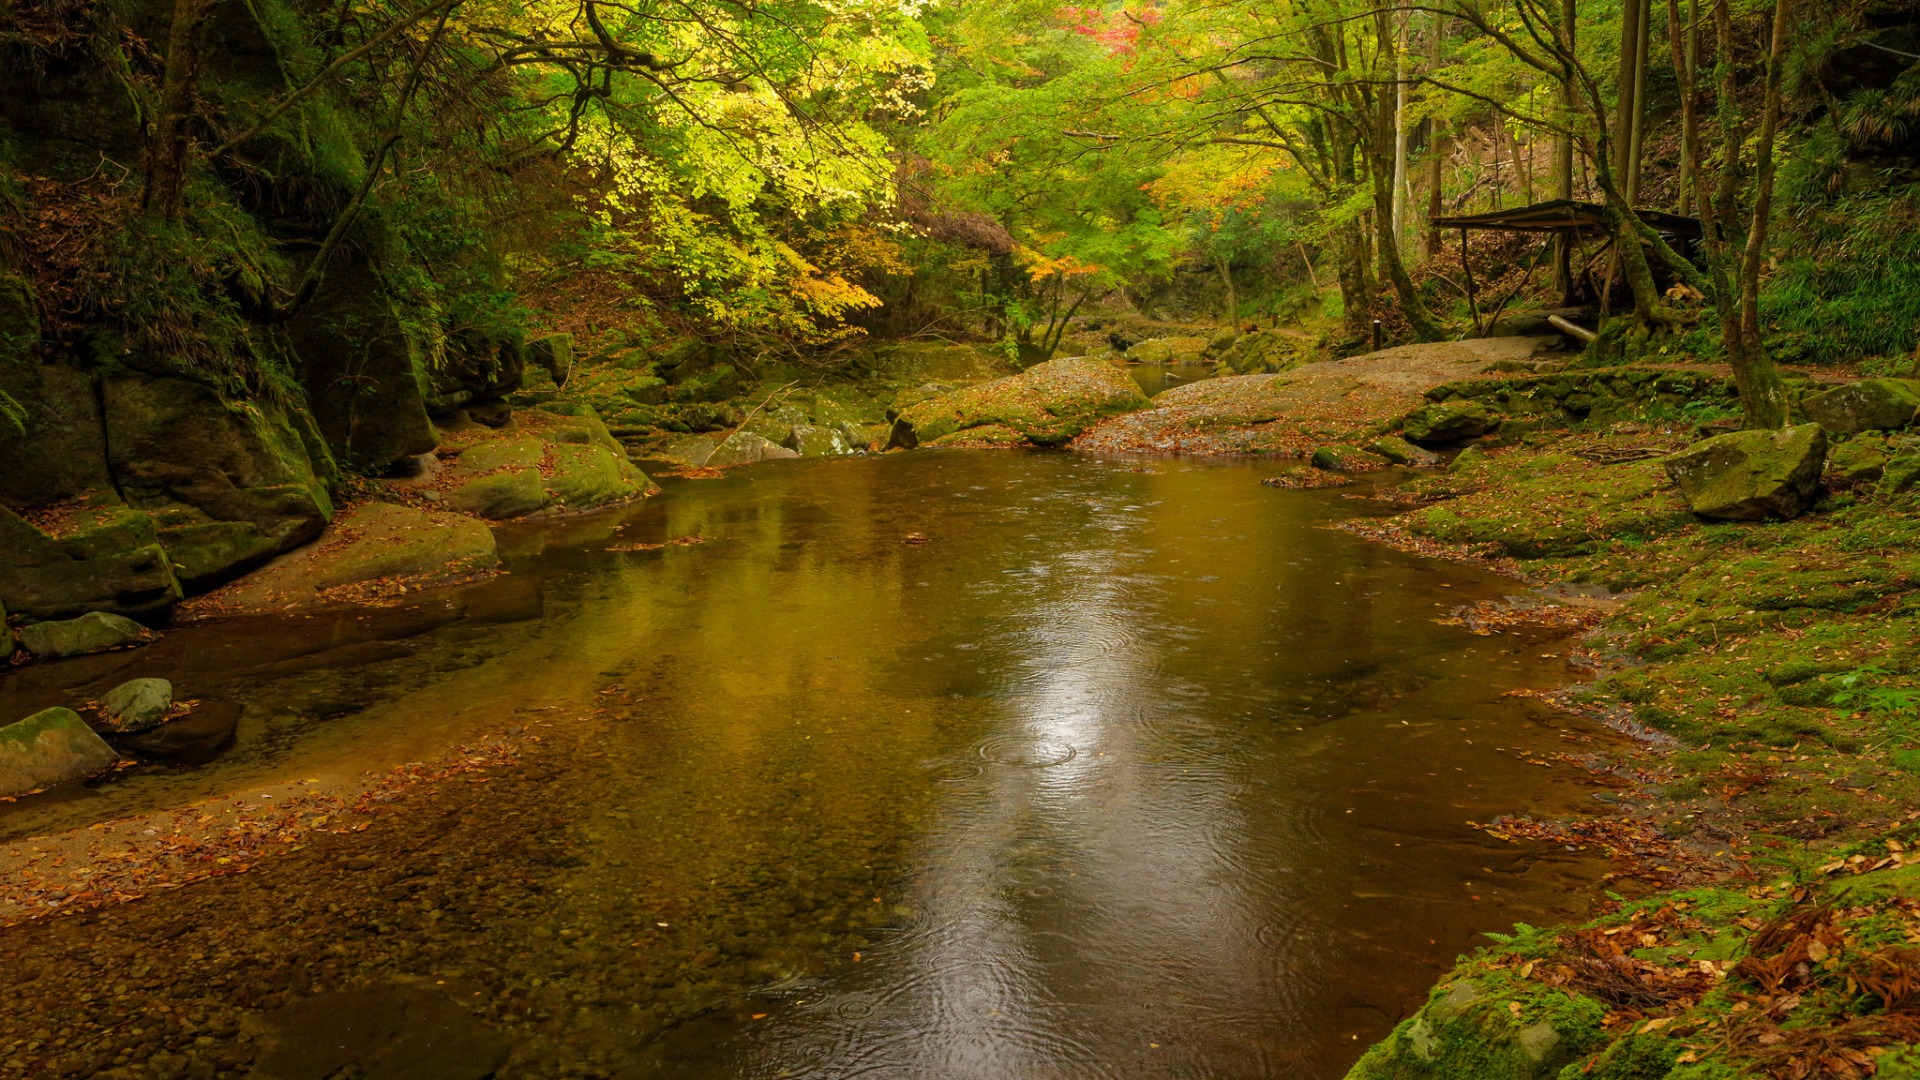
<point>1566,216</point>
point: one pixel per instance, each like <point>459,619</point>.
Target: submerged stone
<point>50,747</point>
<point>193,739</point>
<point>137,705</point>
<point>397,1032</point>
<point>96,631</point>
<point>1751,475</point>
<point>1401,452</point>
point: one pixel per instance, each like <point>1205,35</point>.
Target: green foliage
<point>1842,292</point>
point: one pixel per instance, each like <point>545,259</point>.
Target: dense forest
<point>323,323</point>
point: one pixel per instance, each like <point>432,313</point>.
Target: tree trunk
<point>1762,396</point>
<point>1636,134</point>
<point>1563,154</point>
<point>172,136</point>
<point>1233,301</point>
<point>1625,109</point>
<point>1682,42</point>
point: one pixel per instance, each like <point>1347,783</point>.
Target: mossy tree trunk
<point>171,140</point>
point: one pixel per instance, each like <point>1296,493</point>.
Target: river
<point>948,764</point>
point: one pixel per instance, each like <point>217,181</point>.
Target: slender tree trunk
<point>172,137</point>
<point>1681,42</point>
<point>1762,395</point>
<point>1400,131</point>
<point>1436,141</point>
<point>1625,108</point>
<point>1636,134</point>
<point>1233,300</point>
<point>1563,153</point>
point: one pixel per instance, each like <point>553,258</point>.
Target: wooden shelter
<point>1573,224</point>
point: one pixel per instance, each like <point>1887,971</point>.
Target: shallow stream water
<point>950,764</point>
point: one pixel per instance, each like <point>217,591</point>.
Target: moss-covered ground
<point>1774,670</point>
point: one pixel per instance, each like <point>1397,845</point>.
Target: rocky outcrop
<point>1866,405</point>
<point>96,631</point>
<point>1169,350</point>
<point>1401,452</point>
<point>1267,352</point>
<point>1046,405</point>
<point>362,370</point>
<point>1750,475</point>
<point>137,705</point>
<point>726,451</point>
<point>61,448</point>
<point>552,458</point>
<point>112,560</point>
<point>50,747</point>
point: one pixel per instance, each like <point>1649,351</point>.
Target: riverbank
<point>1770,671</point>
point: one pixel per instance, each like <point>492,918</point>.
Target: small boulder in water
<point>1449,422</point>
<point>50,747</point>
<point>96,631</point>
<point>137,705</point>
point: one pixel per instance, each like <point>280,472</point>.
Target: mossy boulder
<point>587,476</point>
<point>1901,473</point>
<point>117,566</point>
<point>50,747</point>
<point>1861,459</point>
<point>475,370</point>
<point>726,451</point>
<point>499,496</point>
<point>1752,475</point>
<point>553,354</point>
<point>1046,405</point>
<point>1866,405</point>
<point>1169,350</point>
<point>228,484</point>
<point>96,631</point>
<point>1401,452</point>
<point>1342,458</point>
<point>1560,505</point>
<point>136,705</point>
<point>1448,423</point>
<point>378,546</point>
<point>1468,1029</point>
<point>1265,352</point>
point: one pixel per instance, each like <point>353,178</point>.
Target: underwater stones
<point>96,631</point>
<point>50,747</point>
<point>1448,422</point>
<point>1401,452</point>
<point>388,1031</point>
<point>1046,405</point>
<point>1754,474</point>
<point>193,739</point>
<point>137,705</point>
<point>1866,405</point>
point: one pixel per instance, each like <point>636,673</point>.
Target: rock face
<point>370,544</point>
<point>362,370</point>
<point>47,748</point>
<point>1867,405</point>
<point>1266,352</point>
<point>63,449</point>
<point>96,631</point>
<point>1750,475</point>
<point>137,705</point>
<point>1046,405</point>
<point>1449,422</point>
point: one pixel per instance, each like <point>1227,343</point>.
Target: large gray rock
<point>96,631</point>
<point>137,705</point>
<point>50,747</point>
<point>1750,475</point>
<point>1449,422</point>
<point>1866,405</point>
